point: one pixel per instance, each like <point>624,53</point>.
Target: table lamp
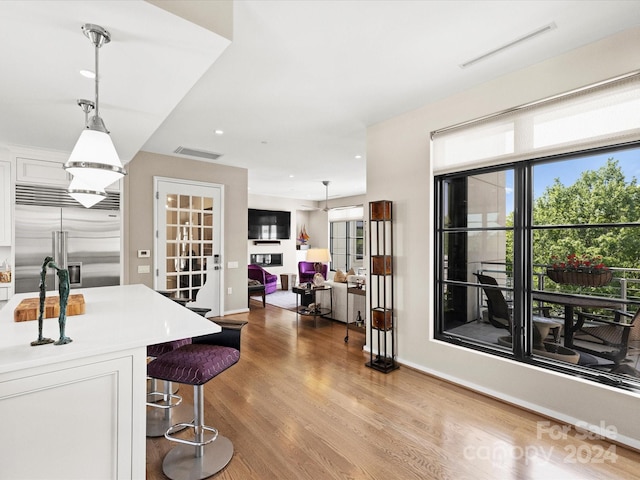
<point>318,256</point>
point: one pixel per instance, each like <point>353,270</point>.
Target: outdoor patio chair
<point>499,314</point>
<point>498,309</point>
<point>605,337</point>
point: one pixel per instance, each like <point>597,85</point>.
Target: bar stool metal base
<point>181,464</point>
<point>159,420</point>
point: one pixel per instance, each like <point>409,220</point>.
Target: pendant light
<point>78,190</point>
<point>326,198</point>
<point>94,161</point>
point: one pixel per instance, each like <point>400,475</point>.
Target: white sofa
<point>357,303</point>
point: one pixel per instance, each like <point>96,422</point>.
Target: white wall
<point>315,221</point>
<point>404,142</point>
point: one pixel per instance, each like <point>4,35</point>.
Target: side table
<point>353,290</point>
<point>314,312</point>
<point>284,280</point>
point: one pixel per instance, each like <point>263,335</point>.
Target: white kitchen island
<point>77,411</point>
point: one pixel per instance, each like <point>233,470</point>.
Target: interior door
<point>188,250</point>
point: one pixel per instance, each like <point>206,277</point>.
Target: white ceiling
<point>295,90</point>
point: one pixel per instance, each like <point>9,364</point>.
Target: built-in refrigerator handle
<point>56,255</point>
<point>55,245</point>
<point>64,236</point>
<point>59,248</point>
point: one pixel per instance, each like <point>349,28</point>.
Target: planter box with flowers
<point>582,271</point>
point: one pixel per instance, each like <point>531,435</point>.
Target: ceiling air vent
<point>197,153</point>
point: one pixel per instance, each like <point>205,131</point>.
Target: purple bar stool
<point>195,364</point>
<point>165,408</point>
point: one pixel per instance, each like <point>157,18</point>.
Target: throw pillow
<point>339,276</point>
<point>351,272</point>
<point>253,283</point>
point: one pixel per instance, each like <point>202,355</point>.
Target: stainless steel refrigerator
<point>85,241</point>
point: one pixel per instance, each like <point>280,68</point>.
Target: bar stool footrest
<point>181,426</point>
<point>160,386</point>
<point>156,403</point>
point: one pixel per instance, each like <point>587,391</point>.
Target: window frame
<point>349,255</point>
<point>522,288</point>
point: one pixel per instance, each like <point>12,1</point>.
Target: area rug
<point>282,298</point>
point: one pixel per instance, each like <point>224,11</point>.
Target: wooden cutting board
<point>29,308</point>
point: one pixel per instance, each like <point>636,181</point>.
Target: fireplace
<point>267,259</point>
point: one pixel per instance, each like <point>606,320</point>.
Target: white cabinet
<point>72,418</point>
<point>41,172</point>
<point>47,168</point>
<point>5,204</point>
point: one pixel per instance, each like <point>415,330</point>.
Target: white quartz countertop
<point>116,318</point>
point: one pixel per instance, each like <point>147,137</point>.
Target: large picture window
<point>539,261</point>
<point>538,232</point>
<point>346,238</point>
<point>346,244</point>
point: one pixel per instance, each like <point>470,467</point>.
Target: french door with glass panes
<point>188,242</point>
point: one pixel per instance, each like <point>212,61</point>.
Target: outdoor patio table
<point>570,301</point>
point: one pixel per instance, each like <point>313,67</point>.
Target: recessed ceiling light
<point>88,74</point>
<point>218,132</point>
<point>358,157</point>
<point>291,176</point>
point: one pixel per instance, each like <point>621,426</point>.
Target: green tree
<point>602,196</point>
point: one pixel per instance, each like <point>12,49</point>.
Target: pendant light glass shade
<point>83,194</point>
<point>94,160</point>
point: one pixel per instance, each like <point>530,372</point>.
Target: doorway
<point>188,241</point>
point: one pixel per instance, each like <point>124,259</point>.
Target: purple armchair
<point>306,271</point>
<point>270,281</point>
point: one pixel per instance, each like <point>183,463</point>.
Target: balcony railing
<point>625,284</point>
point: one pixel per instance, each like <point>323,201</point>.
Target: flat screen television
<point>269,224</point>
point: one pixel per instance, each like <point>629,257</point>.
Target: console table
<point>256,291</point>
<point>315,312</point>
<point>357,290</point>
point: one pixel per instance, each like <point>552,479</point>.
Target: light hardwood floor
<point>302,405</point>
